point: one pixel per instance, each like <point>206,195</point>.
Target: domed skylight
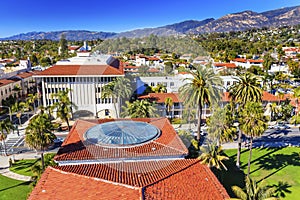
<point>121,133</point>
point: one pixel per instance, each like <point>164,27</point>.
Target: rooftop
<point>76,148</point>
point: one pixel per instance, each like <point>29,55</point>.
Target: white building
<point>84,76</point>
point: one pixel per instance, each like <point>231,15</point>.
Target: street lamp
<point>10,117</point>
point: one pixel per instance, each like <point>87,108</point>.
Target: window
<point>172,84</point>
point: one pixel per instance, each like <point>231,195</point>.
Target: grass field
<point>278,167</point>
<point>12,189</point>
<point>23,167</point>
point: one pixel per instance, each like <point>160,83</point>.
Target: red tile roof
<point>76,148</point>
<point>227,65</point>
<point>71,70</point>
<point>153,70</point>
<point>161,97</point>
<point>25,74</point>
<point>266,97</point>
<point>6,82</point>
<point>240,60</point>
<point>256,61</point>
<point>57,184</point>
<point>177,179</point>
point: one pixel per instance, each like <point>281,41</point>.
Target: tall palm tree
<point>18,109</point>
<point>220,125</point>
<point>254,191</point>
<point>5,127</point>
<point>26,107</point>
<point>38,133</point>
<point>247,88</point>
<point>32,99</point>
<point>253,123</point>
<point>63,106</point>
<point>169,105</point>
<point>203,88</point>
<point>211,156</point>
<point>118,89</point>
<point>139,109</point>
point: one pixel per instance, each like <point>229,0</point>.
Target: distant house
<point>150,61</point>
<point>247,63</point>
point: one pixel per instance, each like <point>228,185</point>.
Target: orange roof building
<point>85,78</point>
<point>126,159</point>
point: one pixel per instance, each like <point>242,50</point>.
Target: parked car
<point>281,126</point>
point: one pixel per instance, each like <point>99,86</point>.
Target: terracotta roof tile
<point>161,97</point>
<point>177,179</point>
<point>76,148</point>
<point>266,97</point>
<point>6,82</point>
<point>56,184</point>
<point>69,70</point>
<point>193,182</point>
<point>227,65</point>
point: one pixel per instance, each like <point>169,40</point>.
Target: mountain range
<point>231,22</point>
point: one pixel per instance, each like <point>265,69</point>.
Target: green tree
<point>5,128</point>
<point>203,88</point>
<point>169,105</point>
<point>211,156</point>
<point>63,106</point>
<point>18,109</point>
<point>26,106</point>
<point>246,89</point>
<point>38,134</point>
<point>159,88</point>
<point>254,191</point>
<point>31,99</point>
<point>220,125</point>
<point>253,123</point>
<point>118,89</point>
<point>63,43</point>
<point>139,109</point>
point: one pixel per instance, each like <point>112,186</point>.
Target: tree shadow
<point>17,185</point>
<point>278,162</point>
<point>281,189</point>
<point>232,176</point>
<point>21,165</point>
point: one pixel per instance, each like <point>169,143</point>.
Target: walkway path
<point>4,165</point>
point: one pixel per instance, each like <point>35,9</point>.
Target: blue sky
<point>21,16</point>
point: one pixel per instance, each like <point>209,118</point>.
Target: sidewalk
<point>4,166</point>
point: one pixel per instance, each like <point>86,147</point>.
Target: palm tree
<point>38,134</point>
<point>139,109</point>
<point>5,128</point>
<point>211,156</point>
<point>18,108</point>
<point>63,106</point>
<point>118,89</point>
<point>220,125</point>
<point>159,88</point>
<point>253,123</point>
<point>203,88</point>
<point>31,100</point>
<point>247,88</point>
<point>169,105</point>
<point>253,191</point>
<point>26,107</point>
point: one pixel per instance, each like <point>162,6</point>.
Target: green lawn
<point>13,189</point>
<point>278,167</point>
<point>23,167</point>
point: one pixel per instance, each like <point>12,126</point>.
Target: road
<point>272,138</point>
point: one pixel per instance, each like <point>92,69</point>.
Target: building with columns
<point>84,76</point>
